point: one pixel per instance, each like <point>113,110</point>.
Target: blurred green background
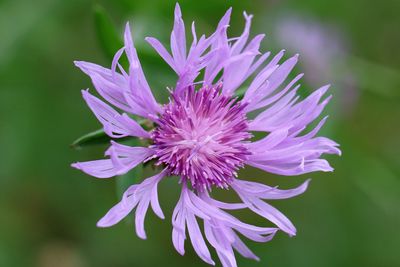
<point>48,210</point>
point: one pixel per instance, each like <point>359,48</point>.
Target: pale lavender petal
<point>268,142</point>
<point>262,76</point>
<point>140,216</point>
<point>179,227</point>
<point>268,83</point>
<point>286,112</point>
<point>305,166</point>
<point>294,154</point>
<point>125,158</point>
<point>136,195</point>
<point>266,192</point>
<point>221,244</point>
<point>155,204</point>
<point>235,71</point>
<point>162,52</point>
<point>140,89</point>
<point>259,83</point>
<point>257,64</point>
<point>194,35</point>
<point>197,239</point>
<point>111,86</point>
<point>115,63</point>
<point>227,206</point>
<point>122,159</point>
<point>115,124</point>
<point>267,211</point>
<point>225,19</point>
<point>240,43</point>
<point>235,74</point>
<point>221,47</point>
<point>178,38</point>
<point>244,250</point>
<point>275,97</point>
<point>219,230</point>
<point>103,168</point>
<point>118,212</point>
<point>205,205</point>
<point>271,119</point>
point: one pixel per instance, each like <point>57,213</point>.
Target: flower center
<point>201,137</point>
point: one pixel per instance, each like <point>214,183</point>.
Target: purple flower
<point>203,135</point>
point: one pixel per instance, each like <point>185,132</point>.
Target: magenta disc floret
<point>200,137</point>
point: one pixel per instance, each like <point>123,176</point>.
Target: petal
<point>134,195</point>
<point>126,158</point>
<point>287,113</point>
<point>244,250</point>
<point>257,64</point>
<point>275,97</point>
<point>240,43</point>
<point>294,169</point>
<point>121,210</point>
<point>227,206</point>
<point>263,74</point>
<point>122,159</point>
<point>266,192</point>
<point>197,239</point>
<point>103,168</point>
<point>140,216</point>
<point>178,39</point>
<point>179,227</point>
<point>155,204</point>
<point>115,124</point>
<point>267,211</point>
<point>262,94</point>
<point>219,228</point>
<point>269,142</point>
<point>139,89</point>
<point>160,49</point>
<point>147,193</point>
<point>292,154</point>
<point>220,49</point>
<point>111,86</point>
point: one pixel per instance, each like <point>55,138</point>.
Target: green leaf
<point>107,34</point>
<point>99,137</point>
<point>92,138</point>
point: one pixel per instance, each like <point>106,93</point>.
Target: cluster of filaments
<point>200,137</point>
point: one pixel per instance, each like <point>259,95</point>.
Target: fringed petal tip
<point>292,234</point>
<point>178,12</point>
<point>77,63</point>
<point>85,93</point>
<point>83,65</point>
<point>128,41</point>
<point>103,223</point>
<point>76,165</point>
<point>127,27</point>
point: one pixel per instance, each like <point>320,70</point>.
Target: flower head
<point>203,135</point>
